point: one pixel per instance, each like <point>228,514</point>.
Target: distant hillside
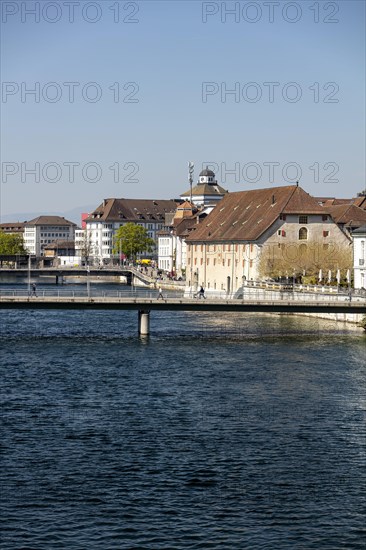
<point>73,215</point>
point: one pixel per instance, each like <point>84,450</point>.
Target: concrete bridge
<point>62,272</point>
<point>144,304</point>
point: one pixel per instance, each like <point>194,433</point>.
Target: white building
<point>359,257</point>
<point>45,230</point>
<point>104,222</point>
<point>166,250</point>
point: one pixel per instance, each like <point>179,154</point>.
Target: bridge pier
<point>144,322</point>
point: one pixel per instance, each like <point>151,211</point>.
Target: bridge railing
<point>302,287</point>
<point>254,295</point>
<point>128,292</point>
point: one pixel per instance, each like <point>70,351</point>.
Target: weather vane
<point>190,171</point>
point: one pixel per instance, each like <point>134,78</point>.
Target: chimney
<point>273,199</point>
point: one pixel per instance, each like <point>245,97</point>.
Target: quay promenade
<point>146,302</point>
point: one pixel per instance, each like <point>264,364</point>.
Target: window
<point>228,263</point>
<point>303,234</point>
<point>214,262</point>
<point>208,261</point>
<point>201,261</point>
<point>303,219</point>
<point>283,217</point>
<point>325,233</point>
<point>325,218</point>
<point>283,233</point>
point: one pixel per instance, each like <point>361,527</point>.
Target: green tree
<point>132,239</point>
<point>11,243</point>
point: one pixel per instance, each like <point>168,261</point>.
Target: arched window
<point>303,234</point>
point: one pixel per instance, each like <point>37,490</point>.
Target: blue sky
<point>167,114</point>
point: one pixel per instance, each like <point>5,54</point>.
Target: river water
<point>220,431</point>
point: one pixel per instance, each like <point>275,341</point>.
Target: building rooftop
<point>12,227</point>
<point>132,210</point>
<point>49,220</point>
<point>347,214</point>
<point>360,231</point>
<point>205,189</point>
<point>246,215</point>
<point>208,173</point>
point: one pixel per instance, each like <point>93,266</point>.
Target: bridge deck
<point>183,304</point>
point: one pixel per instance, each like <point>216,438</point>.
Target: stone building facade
<point>225,249</point>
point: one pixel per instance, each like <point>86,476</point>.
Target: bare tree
<point>86,247</point>
<point>304,259</point>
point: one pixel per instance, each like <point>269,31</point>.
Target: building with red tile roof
<point>224,250</point>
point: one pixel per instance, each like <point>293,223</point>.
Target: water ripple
<point>219,432</point>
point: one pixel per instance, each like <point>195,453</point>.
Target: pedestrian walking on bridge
<point>201,293</point>
<point>160,295</point>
